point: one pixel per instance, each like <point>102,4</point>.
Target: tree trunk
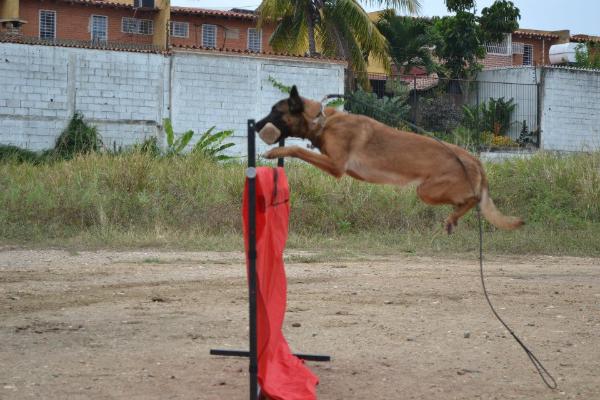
<point>312,47</point>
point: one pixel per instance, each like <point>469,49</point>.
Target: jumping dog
<point>370,151</point>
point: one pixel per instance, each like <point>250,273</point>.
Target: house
<point>523,47</point>
<point>131,24</point>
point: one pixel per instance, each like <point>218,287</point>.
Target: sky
<point>579,16</point>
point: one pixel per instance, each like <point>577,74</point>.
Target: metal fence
<point>470,112</point>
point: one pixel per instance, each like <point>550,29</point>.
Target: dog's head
<point>285,119</point>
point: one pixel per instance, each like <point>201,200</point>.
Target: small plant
<point>77,138</point>
<point>149,146</point>
<point>210,143</point>
<point>212,146</point>
<point>175,146</point>
<point>389,110</point>
<point>527,138</point>
<point>278,85</point>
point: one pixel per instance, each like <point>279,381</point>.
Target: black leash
<point>546,376</point>
<point>541,370</point>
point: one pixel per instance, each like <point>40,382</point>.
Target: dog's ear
<point>295,102</point>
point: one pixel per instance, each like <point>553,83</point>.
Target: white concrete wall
<point>225,91</point>
<point>127,95</point>
<point>42,86</point>
<point>569,101</point>
<point>570,110</point>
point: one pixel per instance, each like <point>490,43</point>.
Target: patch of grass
<point>135,200</point>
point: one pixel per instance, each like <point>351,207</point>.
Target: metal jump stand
<point>252,354</point>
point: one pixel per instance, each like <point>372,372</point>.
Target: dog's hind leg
<point>459,211</point>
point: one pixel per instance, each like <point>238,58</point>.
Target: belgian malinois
<point>373,152</point>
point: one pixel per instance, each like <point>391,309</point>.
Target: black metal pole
<point>281,144</point>
<point>244,353</point>
<point>251,175</point>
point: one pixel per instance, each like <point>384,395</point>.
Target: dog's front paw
<point>277,152</point>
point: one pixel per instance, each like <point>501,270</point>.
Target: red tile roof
<point>213,13</point>
<point>81,44</point>
<point>536,33</point>
<point>585,38</point>
<point>102,3</point>
<point>252,53</point>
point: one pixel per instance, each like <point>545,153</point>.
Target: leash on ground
<point>544,374</point>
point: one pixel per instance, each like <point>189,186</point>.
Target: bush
<point>77,138</point>
<point>439,114</point>
<point>391,111</point>
<point>10,153</point>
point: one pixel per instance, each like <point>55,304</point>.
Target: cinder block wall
<point>127,94</point>
<point>570,110</point>
<point>42,86</point>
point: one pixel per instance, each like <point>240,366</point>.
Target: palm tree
<point>410,41</point>
<point>339,28</point>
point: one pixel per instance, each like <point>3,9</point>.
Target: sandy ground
<point>139,325</point>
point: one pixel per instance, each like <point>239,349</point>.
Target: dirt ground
<point>139,325</point>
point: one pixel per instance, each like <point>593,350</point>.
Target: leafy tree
<point>500,18</point>
<point>587,55</point>
<point>459,39</point>
<point>339,28</point>
<point>409,38</point>
<point>459,5</point>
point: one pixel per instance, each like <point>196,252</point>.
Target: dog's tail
<point>492,214</point>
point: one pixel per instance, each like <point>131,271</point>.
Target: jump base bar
<point>244,353</point>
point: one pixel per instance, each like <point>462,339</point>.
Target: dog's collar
<point>320,119</point>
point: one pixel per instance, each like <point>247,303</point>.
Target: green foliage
<point>587,55</point>
<point>334,28</point>
<point>458,43</point>
<point>388,110</point>
<point>77,138</point>
<point>439,114</point>
<point>410,41</point>
<point>211,144</point>
<point>459,5</point>
<point>527,138</point>
<point>278,85</point>
<point>16,154</point>
<point>459,40</point>
<point>137,198</point>
<point>175,145</point>
<point>149,146</point>
<point>494,116</point>
<point>500,18</point>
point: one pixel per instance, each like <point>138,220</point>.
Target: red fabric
<point>281,375</point>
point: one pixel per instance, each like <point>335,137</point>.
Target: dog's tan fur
<point>373,152</point>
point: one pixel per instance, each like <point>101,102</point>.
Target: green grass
<point>135,200</point>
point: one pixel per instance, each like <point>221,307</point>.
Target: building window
<point>528,54</point>
<point>138,26</point>
<point>47,24</point>
<point>179,29</point>
<point>254,39</point>
<point>99,28</point>
<point>209,35</point>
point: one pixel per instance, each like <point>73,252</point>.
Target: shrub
<point>77,138</point>
<point>391,111</point>
<point>10,153</point>
<point>439,114</point>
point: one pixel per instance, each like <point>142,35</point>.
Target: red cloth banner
<point>281,375</point>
